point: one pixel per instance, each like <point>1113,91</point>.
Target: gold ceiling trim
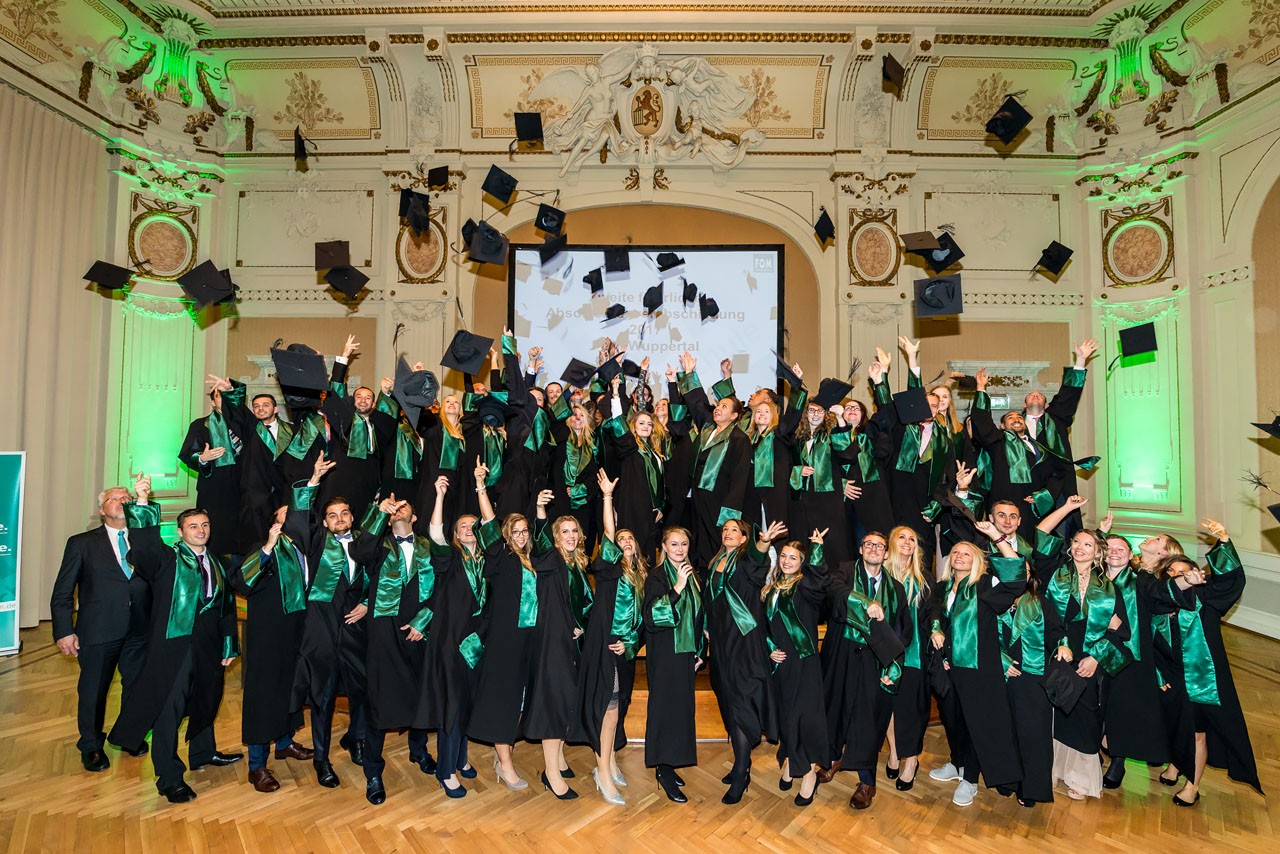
<point>1020,41</point>
<point>285,41</point>
<point>141,15</point>
<point>979,8</point>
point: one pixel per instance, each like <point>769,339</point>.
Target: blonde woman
<point>449,449</point>
<point>638,450</point>
<point>911,702</point>
<point>771,432</point>
<point>975,709</point>
<point>572,476</point>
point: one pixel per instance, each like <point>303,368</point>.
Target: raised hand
<point>1084,350</point>
<point>988,530</point>
<point>606,486</point>
<point>389,505</point>
<point>616,383</point>
<point>320,469</point>
<point>545,497</point>
<point>818,536</point>
<point>1075,502</point>
<point>208,455</point>
<point>442,485</point>
<point>726,368</point>
<point>481,472</point>
<point>671,374</point>
<point>142,488</point>
<point>883,358</point>
<point>874,372</point>
<point>1217,530</point>
<point>773,532</point>
<point>350,347</point>
<point>795,369</point>
<point>1105,525</point>
<point>911,348</point>
<point>387,385</point>
<point>273,537</point>
<point>683,573</point>
<point>687,363</point>
<point>419,366</point>
<point>980,379</point>
<point>964,475</point>
<point>217,383</point>
<point>644,365</point>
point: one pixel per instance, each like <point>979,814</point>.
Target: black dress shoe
<point>737,788</point>
<point>679,780</point>
<point>1115,774</point>
<point>140,750</point>
<point>567,771</point>
<point>374,792</point>
<point>802,801</point>
<point>425,762</point>
<point>325,775</point>
<point>179,794</point>
<point>469,772</point>
<point>671,788</point>
<point>891,773</point>
<point>355,748</point>
<point>569,793</point>
<point>95,760</point>
<point>218,759</point>
<point>784,785</point>
<point>1179,802</point>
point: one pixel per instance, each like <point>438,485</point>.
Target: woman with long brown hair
<point>867,504</point>
<point>572,475</point>
<point>770,433</point>
<point>451,443</point>
<point>638,451</point>
<point>819,459</point>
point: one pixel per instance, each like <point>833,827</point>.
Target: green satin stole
<point>495,446</point>
<point>1198,670</point>
<point>539,432</point>
<point>359,442</point>
<point>911,656</point>
<point>220,437</point>
<point>311,426</point>
<point>1024,623</point>
<point>576,460</point>
<point>450,451</point>
<point>1126,585</point>
<point>1096,610</point>
<point>818,457</point>
<point>394,578</point>
<point>626,604</point>
<point>680,615</point>
<point>408,452</point>
<point>963,612</point>
<point>293,590</point>
<point>723,567</point>
<point>782,604</point>
<point>762,460</point>
<point>580,597</point>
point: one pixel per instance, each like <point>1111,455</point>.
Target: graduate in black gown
<point>273,579</point>
<point>911,700</point>
<point>452,442</point>
<point>640,497</point>
<point>1195,634</point>
<point>192,640</point>
<point>771,431</point>
<point>401,584</point>
<point>454,647</point>
<point>360,437</point>
<point>975,710</point>
<point>505,671</point>
<point>331,659</point>
<point>820,453</point>
<point>402,458</point>
<point>865,482</point>
<point>793,600</point>
<point>1076,587</point>
<point>564,607</point>
<point>609,647</point>
<point>571,477</point>
<point>212,449</point>
<point>264,436</point>
<point>673,630</point>
<point>738,641</point>
<point>679,448</point>
<point>312,432</point>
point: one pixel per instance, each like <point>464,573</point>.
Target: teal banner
<point>12,467</point>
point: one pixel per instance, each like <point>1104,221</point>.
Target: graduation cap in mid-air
<point>831,392</point>
<point>824,228</point>
<point>1272,429</point>
<point>669,263</point>
<point>1009,120</point>
<point>653,298</point>
<point>939,296</point>
<point>785,373</point>
<point>466,352</point>
<point>206,285</point>
<point>1138,340</point>
<point>689,292</point>
<point>594,280</point>
<point>617,259</point>
<point>946,255</point>
<point>500,185</point>
<point>110,276</point>
<point>1054,257</point>
<point>418,213</point>
<point>708,307</point>
<point>912,406</point>
<point>333,253</point>
<point>578,373</point>
<point>551,248</point>
<point>920,242</point>
<point>893,73</point>
<point>529,131</point>
<point>300,152</point>
<point>301,373</point>
<point>438,178</point>
<point>414,390</point>
<point>348,280</point>
<point>614,311</point>
<point>549,219</point>
<point>1088,463</point>
<point>488,245</point>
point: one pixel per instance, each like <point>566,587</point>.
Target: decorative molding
<point>1137,181</point>
<point>419,311</point>
<point>1138,235</point>
<point>1123,314</point>
<point>407,247</point>
<point>874,253</point>
<point>871,190</point>
<point>1035,298</point>
<point>875,313</point>
<point>312,294</point>
<point>400,179</point>
<point>156,308</point>
<point>1228,277</point>
<point>284,41</point>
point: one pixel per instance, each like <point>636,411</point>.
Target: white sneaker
<point>946,773</point>
<point>965,793</point>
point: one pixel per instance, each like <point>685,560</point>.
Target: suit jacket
<point>111,605</point>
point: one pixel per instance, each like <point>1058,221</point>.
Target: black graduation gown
<point>631,497</point>
<point>393,663</point>
<point>217,488</point>
<point>1223,724</point>
<point>212,638</point>
<point>558,481</point>
<point>1032,712</point>
<point>272,639</point>
<point>448,682</point>
<point>599,664</point>
<point>461,499</point>
<point>990,437</point>
<point>357,480</point>
<point>797,682</point>
<point>739,662</point>
<point>670,735</point>
<point>729,491</point>
<point>910,702</point>
<point>979,694</point>
<point>873,509</point>
<point>526,471</point>
<point>1177,713</point>
<point>1132,722</point>
<point>552,702</point>
<point>858,706</point>
<point>262,485</point>
<point>911,491</point>
<point>505,670</point>
<point>825,511</point>
<point>774,500</point>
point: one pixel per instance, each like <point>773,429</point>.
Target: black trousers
<point>322,719</point>
<point>164,733</point>
<point>451,745</point>
<point>98,665</point>
<point>374,763</point>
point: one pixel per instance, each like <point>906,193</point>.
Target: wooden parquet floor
<point>48,803</point>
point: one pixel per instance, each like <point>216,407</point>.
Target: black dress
<point>217,481</point>
<point>1132,722</point>
<point>797,680</point>
<point>673,626</point>
<point>453,650</point>
<point>641,491</point>
<point>615,616</point>
<point>552,701</point>
<point>1029,636</point>
<point>739,652</point>
<point>911,701</point>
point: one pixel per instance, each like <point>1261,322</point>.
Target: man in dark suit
<point>110,631</point>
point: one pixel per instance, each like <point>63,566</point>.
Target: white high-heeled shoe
<point>615,799</point>
<point>518,786</point>
<point>618,779</point>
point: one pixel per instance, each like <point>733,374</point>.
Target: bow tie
<point>344,538</point>
<point>408,539</point>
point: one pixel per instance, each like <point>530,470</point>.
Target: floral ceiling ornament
<point>307,105</point>
<point>182,32</point>
<point>1137,182</point>
<point>1125,31</point>
<point>984,101</point>
<point>871,190</point>
<point>168,178</point>
<point>35,21</point>
<point>646,110</point>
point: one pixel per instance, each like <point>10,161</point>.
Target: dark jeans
<point>164,733</point>
<point>452,746</point>
<point>98,665</point>
<point>374,764</point>
<point>322,720</point>
<point>260,753</point>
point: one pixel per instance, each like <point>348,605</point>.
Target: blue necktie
<point>123,548</point>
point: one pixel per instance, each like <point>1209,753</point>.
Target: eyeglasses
<point>518,531</point>
<point>875,547</point>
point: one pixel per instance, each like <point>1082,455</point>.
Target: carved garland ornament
<point>874,254</point>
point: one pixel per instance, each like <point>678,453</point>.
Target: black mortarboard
<point>419,215</point>
<point>614,311</point>
<point>469,232</point>
<point>551,247</point>
<point>707,306</point>
<point>414,390</point>
<point>1136,340</point>
<point>1272,429</point>
<point>668,261</point>
<point>406,196</point>
<point>529,130</point>
<point>920,242</point>
<point>594,280</point>
<point>653,298</point>
<point>630,368</point>
<point>549,219</point>
<point>609,369</point>
<point>690,292</point>
<point>617,259</point>
<point>299,150</point>
<point>466,352</point>
<point>1064,685</point>
<point>946,255</point>
<point>299,367</point>
<point>488,245</point>
<point>967,382</point>
<point>785,373</point>
<point>349,280</point>
<point>206,285</point>
<point>107,275</point>
<point>892,72</point>
<point>939,296</point>
<point>333,253</point>
<point>912,406</point>
<point>884,642</point>
<point>1009,120</point>
<point>500,185</point>
<point>1088,463</point>
<point>438,178</point>
<point>1054,258</point>
<point>578,373</point>
<point>492,410</point>
<point>1274,509</point>
<point>230,298</point>
<point>825,228</point>
<point>831,392</point>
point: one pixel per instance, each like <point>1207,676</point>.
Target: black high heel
<point>1166,781</point>
<point>670,787</point>
<point>891,773</point>
<point>784,785</point>
<point>802,801</point>
<point>737,789</point>
<point>567,771</point>
<point>679,780</point>
<point>1177,801</point>
<point>568,795</point>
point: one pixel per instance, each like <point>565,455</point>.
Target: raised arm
<point>1055,517</point>
<point>606,497</point>
<point>482,493</point>
<point>1064,404</point>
